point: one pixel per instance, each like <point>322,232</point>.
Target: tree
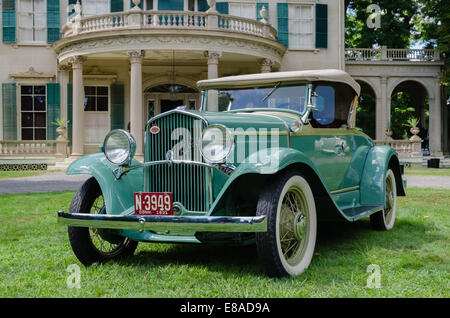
<point>397,23</point>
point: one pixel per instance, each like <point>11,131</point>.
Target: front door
<point>168,104</point>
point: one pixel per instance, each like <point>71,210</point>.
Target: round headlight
<point>119,146</point>
<point>217,142</point>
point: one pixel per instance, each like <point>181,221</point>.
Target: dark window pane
<point>27,119</point>
<point>40,120</point>
<point>39,102</point>
<point>89,90</point>
<point>27,134</point>
<point>26,102</point>
<point>89,103</point>
<point>102,104</point>
<point>26,89</point>
<point>102,90</point>
<point>39,90</point>
<point>40,134</point>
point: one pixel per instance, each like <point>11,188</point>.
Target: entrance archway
<point>366,111</point>
<point>409,99</point>
<point>165,97</point>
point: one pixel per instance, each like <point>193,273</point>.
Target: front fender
<point>267,162</point>
<point>373,187</point>
<point>118,194</point>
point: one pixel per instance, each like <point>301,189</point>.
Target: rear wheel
<point>92,245</point>
<point>288,245</point>
<point>384,220</point>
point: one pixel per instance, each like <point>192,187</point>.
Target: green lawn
<point>21,173</point>
<point>414,258</point>
<point>422,171</point>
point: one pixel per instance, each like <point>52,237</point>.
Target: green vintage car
<point>274,155</point>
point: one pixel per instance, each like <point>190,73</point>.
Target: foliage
<point>401,112</point>
<point>412,122</point>
<point>397,19</point>
<point>365,115</point>
<point>61,122</point>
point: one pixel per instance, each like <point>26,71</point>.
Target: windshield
<point>292,97</point>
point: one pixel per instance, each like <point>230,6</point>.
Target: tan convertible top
<point>332,75</point>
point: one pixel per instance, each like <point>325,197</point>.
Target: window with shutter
<point>53,21</point>
<point>301,26</point>
<point>9,21</point>
<point>171,5</point>
<point>116,5</point>
<point>321,25</point>
<point>283,23</point>
<point>53,109</point>
<point>222,7</point>
<point>95,7</point>
<point>244,10</point>
<point>32,21</point>
<point>9,111</point>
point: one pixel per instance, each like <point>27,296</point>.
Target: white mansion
<point>109,64</point>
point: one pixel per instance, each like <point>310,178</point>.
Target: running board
<point>361,211</point>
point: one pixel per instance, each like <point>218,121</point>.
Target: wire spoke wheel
<point>286,249</point>
<point>102,245</point>
<point>384,220</point>
<point>293,225</point>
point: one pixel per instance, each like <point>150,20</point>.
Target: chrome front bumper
<point>166,223</point>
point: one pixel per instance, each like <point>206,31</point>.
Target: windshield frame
<point>275,86</point>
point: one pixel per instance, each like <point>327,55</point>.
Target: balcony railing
<point>385,54</point>
<point>26,148</point>
<point>176,20</point>
<point>404,148</point>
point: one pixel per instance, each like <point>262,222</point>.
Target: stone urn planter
<point>389,134</point>
<point>61,128</point>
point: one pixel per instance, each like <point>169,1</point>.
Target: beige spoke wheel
<point>288,246</point>
<point>384,220</point>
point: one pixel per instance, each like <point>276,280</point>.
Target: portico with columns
<point>136,59</point>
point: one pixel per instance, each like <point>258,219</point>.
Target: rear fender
<point>373,187</point>
<point>118,194</point>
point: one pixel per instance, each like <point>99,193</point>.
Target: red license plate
<point>153,203</point>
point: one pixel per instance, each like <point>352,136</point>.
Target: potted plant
<point>62,127</point>
<point>413,122</point>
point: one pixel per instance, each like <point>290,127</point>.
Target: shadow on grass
<point>350,239</point>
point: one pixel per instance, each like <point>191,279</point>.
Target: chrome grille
<point>178,132</point>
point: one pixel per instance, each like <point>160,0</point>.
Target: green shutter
<point>69,111</point>
<point>176,5</point>
<point>9,106</point>
<point>53,21</point>
<point>283,23</point>
<point>53,109</point>
<point>259,6</point>
<point>117,106</point>
<point>117,5</point>
<point>222,7</point>
<point>9,21</point>
<point>141,4</point>
<point>321,26</point>
<point>202,5</point>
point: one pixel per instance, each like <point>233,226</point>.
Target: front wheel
<point>288,245</point>
<point>92,245</point>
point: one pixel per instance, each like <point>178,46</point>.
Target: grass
<point>21,173</point>
<point>422,171</point>
<point>413,258</point>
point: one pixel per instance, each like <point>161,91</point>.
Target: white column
<point>381,111</point>
<point>78,106</point>
<point>266,65</point>
<point>136,109</point>
<point>213,72</point>
<point>435,130</point>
